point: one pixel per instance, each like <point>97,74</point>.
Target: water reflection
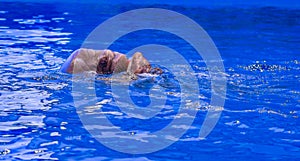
<point>26,88</point>
<point>37,115</point>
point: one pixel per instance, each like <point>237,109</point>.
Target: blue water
<point>260,51</point>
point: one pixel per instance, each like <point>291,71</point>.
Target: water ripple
<point>38,120</point>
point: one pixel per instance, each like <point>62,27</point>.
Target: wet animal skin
<point>107,62</point>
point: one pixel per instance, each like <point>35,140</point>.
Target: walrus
<point>107,62</point>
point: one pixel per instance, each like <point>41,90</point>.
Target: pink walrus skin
<point>106,62</point>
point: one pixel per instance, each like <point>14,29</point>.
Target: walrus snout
<point>111,62</point>
<point>105,62</point>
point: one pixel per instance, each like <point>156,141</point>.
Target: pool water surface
<point>261,55</point>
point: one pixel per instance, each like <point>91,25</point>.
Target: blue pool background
<point>258,41</point>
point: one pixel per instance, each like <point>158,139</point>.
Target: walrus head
<point>107,62</point>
